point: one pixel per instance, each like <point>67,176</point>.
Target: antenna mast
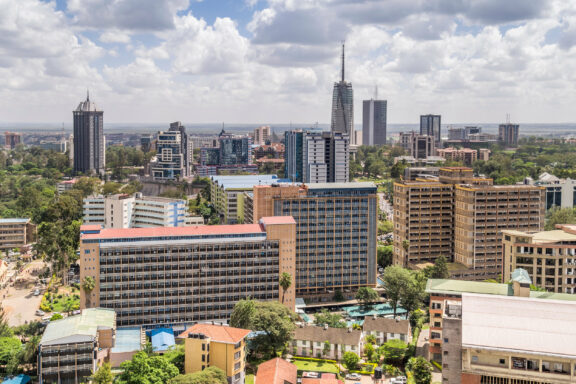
<point>343,41</point>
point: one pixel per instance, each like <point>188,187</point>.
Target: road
<point>385,206</point>
<point>20,304</point>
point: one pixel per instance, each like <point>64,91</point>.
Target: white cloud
<point>115,37</point>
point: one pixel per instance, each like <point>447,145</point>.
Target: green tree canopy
<point>210,375</point>
<point>367,295</point>
<point>421,370</point>
<point>350,360</point>
<point>103,375</point>
<point>144,369</point>
<point>394,351</point>
<point>401,288</point>
<point>9,347</point>
<point>333,320</point>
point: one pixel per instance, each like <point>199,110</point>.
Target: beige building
<point>16,233</point>
<point>262,134</point>
<point>385,329</point>
<point>549,257</point>
<point>177,275</point>
<point>210,345</point>
<point>418,146</point>
<point>325,342</point>
<point>465,155</point>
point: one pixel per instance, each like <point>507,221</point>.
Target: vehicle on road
<point>39,312</point>
<point>353,376</point>
<point>399,380</point>
<point>36,292</point>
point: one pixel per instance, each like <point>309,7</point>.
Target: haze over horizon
<point>275,61</point>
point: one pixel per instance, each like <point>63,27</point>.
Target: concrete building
<point>446,295</point>
<point>65,185</point>
<point>233,155</point>
<point>175,276</point>
<point>210,345</point>
<point>16,233</point>
<point>274,151</point>
<point>374,122</point>
<point>548,257</point>
<point>12,140</point>
<point>463,133</point>
<point>342,121</point>
<point>127,211</point>
<point>146,143</point>
<point>508,134</point>
<point>89,145</point>
<point>293,156</point>
<point>72,349</point>
<point>430,125</point>
<point>559,192</point>
<point>466,156</point>
<point>419,146</point>
<point>384,329</point>
<point>262,135</point>
<point>309,341</point>
<point>335,233</point>
<point>325,158</point>
<point>172,154</point>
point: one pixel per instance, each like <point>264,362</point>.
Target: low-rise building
<point>276,371</point>
<point>71,349</point>
<point>65,185</point>
<point>559,192</point>
<point>210,345</point>
<point>465,155</point>
<point>16,233</point>
<point>385,329</point>
<point>326,342</point>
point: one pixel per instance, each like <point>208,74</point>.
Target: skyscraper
<point>89,155</point>
<point>185,146</point>
<point>508,134</point>
<point>430,125</point>
<point>343,106</point>
<point>374,122</point>
<point>169,164</point>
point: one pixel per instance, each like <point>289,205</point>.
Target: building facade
<point>466,156</point>
<point>309,341</point>
<point>508,134</point>
<point>430,125</point>
<point>294,155</point>
<point>16,233</point>
<point>335,233</point>
<point>89,145</point>
<point>176,276</point>
<point>463,133</point>
<point>419,146</point>
<point>174,154</point>
<point>12,140</point>
<point>342,120</point>
<point>262,135</point>
<point>559,192</point>
<point>374,122</point>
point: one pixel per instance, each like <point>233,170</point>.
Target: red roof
<point>175,231</point>
<point>277,220</point>
<point>307,380</point>
<point>219,333</point>
<point>276,371</point>
<point>90,227</point>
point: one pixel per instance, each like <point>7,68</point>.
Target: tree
<point>144,369</point>
<point>369,351</point>
<point>9,347</point>
<point>385,254</point>
<point>103,375</point>
<point>396,280</point>
<point>421,370</point>
<point>371,339</point>
<point>394,351</point>
<point>176,355</point>
<point>56,316</point>
<point>326,348</point>
<point>285,283</point>
<point>440,268</point>
<point>210,375</point>
<point>243,313</point>
<point>88,185</point>
<point>5,330</point>
<point>366,295</point>
<point>333,320</point>
<point>558,215</point>
<point>350,360</point>
<point>88,284</point>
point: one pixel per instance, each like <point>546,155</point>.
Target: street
<point>20,304</point>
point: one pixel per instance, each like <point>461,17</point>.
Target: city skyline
<point>275,61</point>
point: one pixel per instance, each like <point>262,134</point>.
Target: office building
<point>343,107</point>
<point>72,349</point>
<point>12,140</point>
<point>481,213</point>
<point>234,155</point>
<point>146,143</point>
<point>176,276</point>
<point>463,134</point>
<point>16,233</point>
<point>447,302</point>
<point>335,233</point>
<point>89,146</point>
<point>419,146</point>
<point>53,145</point>
<point>466,156</point>
<point>225,192</point>
<point>559,192</point>
<point>211,345</point>
<point>127,211</point>
<point>508,134</point>
<point>548,257</point>
<point>317,157</point>
<point>430,125</point>
<point>262,135</point>
<point>374,122</point>
<point>173,157</point>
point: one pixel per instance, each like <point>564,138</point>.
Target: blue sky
<point>275,61</point>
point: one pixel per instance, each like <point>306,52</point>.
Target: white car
<point>353,376</point>
<point>40,312</point>
<point>37,292</point>
<point>399,380</point>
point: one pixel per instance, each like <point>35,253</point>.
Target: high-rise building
<point>430,125</point>
<point>262,135</point>
<point>169,164</point>
<point>336,228</point>
<point>11,140</point>
<point>176,276</point>
<point>317,157</point>
<point>419,146</point>
<point>235,150</point>
<point>343,106</point>
<point>508,134</point>
<point>89,145</point>
<point>146,143</point>
<point>374,122</point>
<point>185,147</point>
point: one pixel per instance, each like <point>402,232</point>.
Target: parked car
<point>36,292</point>
<point>399,380</point>
<point>353,376</point>
<point>39,312</point>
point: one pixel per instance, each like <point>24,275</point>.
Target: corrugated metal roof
<point>14,220</point>
<point>162,339</point>
<point>79,328</point>
<point>128,340</point>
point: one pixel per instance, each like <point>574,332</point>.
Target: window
<point>237,366</point>
<point>237,355</point>
<point>502,361</point>
<point>445,339</point>
<point>203,347</point>
<point>237,345</point>
<point>474,359</point>
<point>445,353</point>
<point>203,358</point>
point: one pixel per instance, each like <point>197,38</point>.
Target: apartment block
<point>16,233</point>
<point>212,345</point>
<point>71,349</point>
<point>176,276</point>
<point>309,341</point>
<point>127,211</point>
<point>481,213</point>
<point>262,135</point>
<point>508,134</point>
<point>335,233</point>
<point>466,156</point>
<point>549,257</point>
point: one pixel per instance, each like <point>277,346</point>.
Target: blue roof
<point>382,309</point>
<point>128,340</point>
<point>20,379</point>
<point>162,339</point>
<point>14,220</point>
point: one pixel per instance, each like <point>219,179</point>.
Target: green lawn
<point>316,366</point>
<point>249,379</point>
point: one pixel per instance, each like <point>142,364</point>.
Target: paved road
<point>385,206</point>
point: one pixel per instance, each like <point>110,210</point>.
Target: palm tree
<point>88,284</point>
<point>285,282</point>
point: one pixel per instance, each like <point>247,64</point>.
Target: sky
<point>275,61</point>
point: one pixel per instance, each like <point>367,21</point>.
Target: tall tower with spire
<point>343,105</point>
<point>89,146</point>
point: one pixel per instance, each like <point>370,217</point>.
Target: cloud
<point>115,37</point>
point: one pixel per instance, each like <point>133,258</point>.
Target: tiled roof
<point>322,380</point>
<point>382,324</point>
<point>175,231</point>
<point>276,371</point>
<point>333,335</point>
<point>219,333</point>
<point>277,220</point>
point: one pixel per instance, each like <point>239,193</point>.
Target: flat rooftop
<point>14,221</point>
<point>79,328</point>
<point>358,185</point>
<point>554,236</point>
<point>194,230</point>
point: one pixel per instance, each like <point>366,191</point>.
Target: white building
<point>311,341</point>
<point>559,192</point>
<point>384,329</point>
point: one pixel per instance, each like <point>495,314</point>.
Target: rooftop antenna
<point>343,41</point>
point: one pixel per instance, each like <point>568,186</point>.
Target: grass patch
<point>425,326</point>
<point>249,379</point>
<point>317,366</point>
